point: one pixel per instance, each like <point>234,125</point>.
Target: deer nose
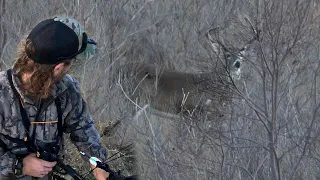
<point>237,64</point>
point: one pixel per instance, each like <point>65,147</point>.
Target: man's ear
<point>58,68</point>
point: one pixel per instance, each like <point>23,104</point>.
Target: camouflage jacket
<point>76,119</point>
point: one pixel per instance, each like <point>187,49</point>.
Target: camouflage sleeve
<point>82,130</point>
<point>7,160</point>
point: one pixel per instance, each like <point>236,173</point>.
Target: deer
<point>190,93</point>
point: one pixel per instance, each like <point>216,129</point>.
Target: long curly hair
<point>41,80</point>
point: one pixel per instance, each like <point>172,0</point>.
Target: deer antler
<point>256,35</point>
<point>214,37</point>
<point>254,30</point>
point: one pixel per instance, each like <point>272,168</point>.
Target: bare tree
<point>273,93</point>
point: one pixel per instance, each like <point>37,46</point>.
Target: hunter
<point>40,101</point>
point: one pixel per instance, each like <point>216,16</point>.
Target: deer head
<point>231,57</point>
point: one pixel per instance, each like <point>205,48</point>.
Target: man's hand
<point>100,174</point>
<point>33,166</point>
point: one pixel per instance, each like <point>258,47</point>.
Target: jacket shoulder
<point>4,83</point>
<point>71,83</point>
<point>5,93</point>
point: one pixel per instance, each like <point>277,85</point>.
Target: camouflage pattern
<point>72,24</point>
<point>76,120</point>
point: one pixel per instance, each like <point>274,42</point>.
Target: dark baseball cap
<point>56,40</point>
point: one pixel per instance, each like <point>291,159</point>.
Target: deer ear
<point>213,38</point>
<point>215,47</point>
